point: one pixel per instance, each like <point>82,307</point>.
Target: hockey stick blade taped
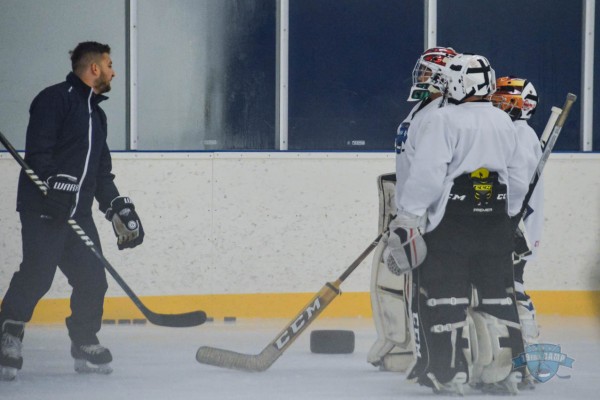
<point>233,360</point>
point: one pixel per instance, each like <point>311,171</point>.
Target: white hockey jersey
<point>410,126</point>
<point>456,140</point>
<point>534,221</point>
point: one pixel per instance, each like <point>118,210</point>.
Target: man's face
<point>102,82</point>
<point>425,74</point>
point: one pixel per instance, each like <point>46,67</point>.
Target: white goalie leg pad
<point>491,362</point>
<point>393,348</point>
<point>397,360</point>
<point>529,327</point>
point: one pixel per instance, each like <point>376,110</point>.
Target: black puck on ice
<point>332,341</point>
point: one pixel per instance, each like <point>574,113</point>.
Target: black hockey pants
<point>462,252</point>
<point>46,245</point>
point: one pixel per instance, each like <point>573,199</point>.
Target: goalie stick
<point>555,113</point>
<point>548,146</point>
<point>193,318</point>
<point>260,362</point>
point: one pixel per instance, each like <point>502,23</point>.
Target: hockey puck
<point>332,341</point>
<point>229,319</point>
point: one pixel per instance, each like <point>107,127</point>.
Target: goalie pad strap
<point>452,301</point>
<point>505,301</point>
<point>441,328</point>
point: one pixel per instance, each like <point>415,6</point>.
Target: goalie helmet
<point>516,96</point>
<point>427,77</point>
<point>470,75</point>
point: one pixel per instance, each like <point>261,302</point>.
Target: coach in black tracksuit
<point>66,147</point>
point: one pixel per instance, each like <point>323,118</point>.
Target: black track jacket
<point>67,135</point>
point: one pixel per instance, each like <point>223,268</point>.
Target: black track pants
<point>46,245</point>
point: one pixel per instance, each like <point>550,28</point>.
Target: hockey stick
<point>266,358</point>
<point>193,318</point>
<point>551,141</point>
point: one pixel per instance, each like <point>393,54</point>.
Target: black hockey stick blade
<point>262,361</point>
<point>193,318</point>
<point>184,320</point>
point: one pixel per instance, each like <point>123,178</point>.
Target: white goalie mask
<point>470,75</point>
<point>427,76</point>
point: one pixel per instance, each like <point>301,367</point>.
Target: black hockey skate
<point>91,358</point>
<point>11,359</point>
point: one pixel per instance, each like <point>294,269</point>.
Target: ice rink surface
<point>153,363</point>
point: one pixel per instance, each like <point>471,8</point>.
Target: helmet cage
<point>427,74</point>
<point>516,96</point>
<point>510,102</point>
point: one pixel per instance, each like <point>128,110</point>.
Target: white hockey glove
<point>406,247</point>
<point>126,223</point>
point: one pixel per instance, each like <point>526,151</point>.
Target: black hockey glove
<point>405,247</point>
<point>60,198</point>
<point>126,223</point>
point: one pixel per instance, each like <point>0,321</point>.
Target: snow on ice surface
<point>153,363</point>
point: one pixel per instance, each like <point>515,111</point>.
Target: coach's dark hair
<point>85,53</point>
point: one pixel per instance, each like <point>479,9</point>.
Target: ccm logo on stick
<point>297,325</point>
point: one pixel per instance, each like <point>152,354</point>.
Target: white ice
<point>154,363</point>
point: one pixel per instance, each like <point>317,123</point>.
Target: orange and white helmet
<point>427,75</point>
<point>516,96</point>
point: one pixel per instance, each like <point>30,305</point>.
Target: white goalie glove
<point>406,247</point>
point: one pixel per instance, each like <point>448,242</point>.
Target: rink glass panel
<point>206,73</point>
<point>350,71</point>
<point>539,40</point>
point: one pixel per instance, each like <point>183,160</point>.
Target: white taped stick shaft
<point>555,112</point>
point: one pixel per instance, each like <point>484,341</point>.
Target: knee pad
<point>390,311</point>
<point>495,343</point>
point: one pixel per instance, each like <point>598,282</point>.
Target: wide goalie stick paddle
<point>554,114</point>
<point>263,360</point>
<point>193,318</point>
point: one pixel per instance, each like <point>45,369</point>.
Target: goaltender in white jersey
<point>467,177</point>
<point>390,294</point>
<point>519,99</point>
